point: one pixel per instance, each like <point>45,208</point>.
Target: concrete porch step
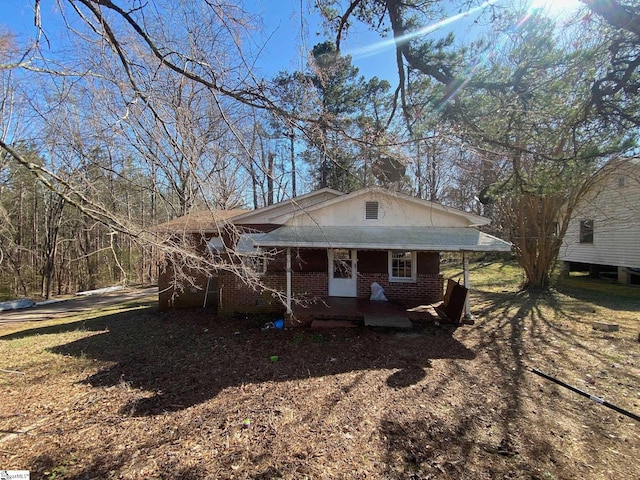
<point>319,324</point>
<point>389,321</point>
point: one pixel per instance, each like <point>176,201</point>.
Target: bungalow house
<point>604,228</point>
<point>330,244</point>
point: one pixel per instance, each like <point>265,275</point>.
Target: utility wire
<point>599,400</point>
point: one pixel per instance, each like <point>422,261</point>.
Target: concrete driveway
<point>78,304</point>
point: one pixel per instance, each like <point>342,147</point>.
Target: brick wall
<point>373,266</point>
<point>428,288</point>
<point>312,282</point>
<point>237,296</point>
<point>187,296</point>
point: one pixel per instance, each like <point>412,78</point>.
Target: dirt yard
<point>137,394</point>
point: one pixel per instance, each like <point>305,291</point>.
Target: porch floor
<point>344,311</point>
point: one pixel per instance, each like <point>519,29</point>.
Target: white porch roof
<point>441,239</point>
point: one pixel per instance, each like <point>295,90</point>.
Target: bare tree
<point>152,103</point>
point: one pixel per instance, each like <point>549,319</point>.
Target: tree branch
<point>620,16</point>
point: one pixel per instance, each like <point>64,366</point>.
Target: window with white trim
<point>402,266</point>
<point>255,264</point>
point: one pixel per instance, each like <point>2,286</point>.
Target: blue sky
<point>373,55</point>
<point>286,39</point>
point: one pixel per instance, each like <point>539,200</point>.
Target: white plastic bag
<point>377,292</point>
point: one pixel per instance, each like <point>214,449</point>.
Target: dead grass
<point>142,394</point>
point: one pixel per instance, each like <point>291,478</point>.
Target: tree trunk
<point>537,243</point>
<point>324,174</point>
<point>293,164</point>
<point>270,174</point>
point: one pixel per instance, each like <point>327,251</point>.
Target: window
<point>215,245</point>
<point>586,231</point>
<point>402,266</point>
<point>255,264</point>
<point>342,263</point>
<point>371,210</point>
<point>621,181</point>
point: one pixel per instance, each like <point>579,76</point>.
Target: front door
<point>343,279</point>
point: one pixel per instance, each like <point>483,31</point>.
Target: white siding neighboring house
<point>604,230</point>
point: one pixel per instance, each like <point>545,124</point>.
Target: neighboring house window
<point>586,231</point>
<point>402,266</point>
<point>621,181</point>
<point>371,210</point>
<point>256,264</point>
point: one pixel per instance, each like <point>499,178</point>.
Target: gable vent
<point>371,210</point>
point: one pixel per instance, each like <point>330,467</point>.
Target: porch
<point>404,260</point>
<point>331,312</point>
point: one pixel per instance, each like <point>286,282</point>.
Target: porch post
<point>288,281</point>
<point>465,266</point>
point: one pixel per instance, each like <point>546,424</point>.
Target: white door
<point>343,280</point>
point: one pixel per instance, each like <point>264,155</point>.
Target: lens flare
<point>377,47</point>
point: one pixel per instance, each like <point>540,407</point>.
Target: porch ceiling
<point>441,239</point>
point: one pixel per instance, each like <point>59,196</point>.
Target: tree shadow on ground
<point>491,415</point>
<point>407,376</point>
<point>184,358</point>
<point>536,329</point>
<point>602,293</point>
<point>477,414</point>
<point>104,464</point>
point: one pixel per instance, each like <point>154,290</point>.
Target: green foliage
<point>348,107</point>
<point>528,104</point>
<point>616,85</point>
<point>521,99</point>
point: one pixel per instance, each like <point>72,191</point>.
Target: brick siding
<point>309,280</point>
<point>238,297</point>
<point>188,296</point>
<point>428,288</point>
